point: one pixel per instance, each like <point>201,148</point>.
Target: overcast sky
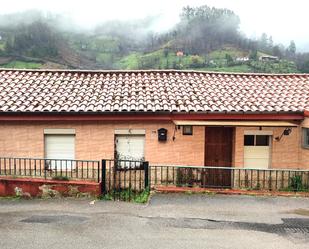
<point>283,19</point>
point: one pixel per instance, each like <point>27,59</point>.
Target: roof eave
<point>149,116</point>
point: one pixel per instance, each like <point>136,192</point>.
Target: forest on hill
<point>205,38</point>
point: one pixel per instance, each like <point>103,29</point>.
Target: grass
<point>22,65</point>
<point>282,66</point>
<point>10,198</point>
<point>128,195</point>
<point>237,69</point>
<point>168,60</point>
<point>158,60</point>
<point>130,61</point>
<point>2,45</point>
<point>61,178</point>
<point>296,185</point>
<point>234,52</point>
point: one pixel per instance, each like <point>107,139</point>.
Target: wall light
<point>286,132</point>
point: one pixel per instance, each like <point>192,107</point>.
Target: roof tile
<point>171,91</point>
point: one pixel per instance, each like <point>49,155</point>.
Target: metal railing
<point>127,178</point>
<point>65,169</point>
<point>124,179</point>
<point>229,177</point>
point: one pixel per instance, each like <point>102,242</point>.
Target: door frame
<point>261,132</point>
<point>217,177</point>
<point>232,146</point>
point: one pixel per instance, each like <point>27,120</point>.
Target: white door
<point>130,147</point>
<point>257,151</point>
<point>60,147</point>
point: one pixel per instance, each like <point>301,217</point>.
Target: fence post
<point>103,177</point>
<point>146,170</point>
<point>45,168</point>
<point>15,166</point>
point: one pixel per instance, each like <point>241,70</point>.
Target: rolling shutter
<point>60,147</point>
<point>130,147</point>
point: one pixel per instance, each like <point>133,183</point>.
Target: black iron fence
<point>225,177</point>
<point>124,179</point>
<point>62,169</point>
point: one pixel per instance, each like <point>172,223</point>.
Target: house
<point>165,117</point>
<point>242,59</point>
<point>179,54</point>
<point>268,58</point>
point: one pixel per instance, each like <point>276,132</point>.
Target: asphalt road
<point>168,221</point>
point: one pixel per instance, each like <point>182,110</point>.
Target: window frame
<point>245,139</point>
<point>303,142</point>
<point>267,140</point>
<point>57,163</point>
<point>255,133</point>
<point>187,133</point>
<point>255,139</point>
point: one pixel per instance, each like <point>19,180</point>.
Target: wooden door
<point>218,153</point>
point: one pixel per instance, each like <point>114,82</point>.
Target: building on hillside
<point>268,58</point>
<point>242,59</point>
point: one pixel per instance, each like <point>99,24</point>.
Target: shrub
<point>128,195</point>
<point>185,177</point>
<point>61,178</point>
<point>296,184</point>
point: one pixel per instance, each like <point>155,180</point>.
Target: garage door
<point>257,151</point>
<point>60,147</point>
<point>130,147</point>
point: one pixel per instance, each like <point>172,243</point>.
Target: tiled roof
<point>151,91</point>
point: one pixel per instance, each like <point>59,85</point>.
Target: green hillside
<point>224,60</point>
<point>198,42</point>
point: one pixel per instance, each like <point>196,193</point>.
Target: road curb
<point>164,189</point>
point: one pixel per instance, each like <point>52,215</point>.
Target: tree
<point>305,67</point>
<point>277,51</point>
<point>165,52</point>
<point>291,51</point>
<point>37,39</point>
<point>253,55</point>
<point>270,43</point>
<point>229,59</point>
<point>263,42</point>
<point>197,61</point>
<point>203,29</point>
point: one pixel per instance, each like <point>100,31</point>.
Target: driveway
<point>168,221</point>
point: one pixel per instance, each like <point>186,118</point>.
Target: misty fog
<point>197,35</point>
<point>257,16</point>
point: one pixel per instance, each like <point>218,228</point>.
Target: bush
<point>61,178</point>
<point>128,195</point>
<point>185,177</point>
<point>296,184</point>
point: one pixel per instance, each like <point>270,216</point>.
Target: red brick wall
<point>95,140</point>
<point>32,187</point>
<point>286,153</point>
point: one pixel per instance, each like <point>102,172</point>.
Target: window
<point>130,148</point>
<point>59,147</point>
<point>262,140</point>
<point>306,138</point>
<point>187,130</point>
<point>256,140</point>
<point>249,140</point>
